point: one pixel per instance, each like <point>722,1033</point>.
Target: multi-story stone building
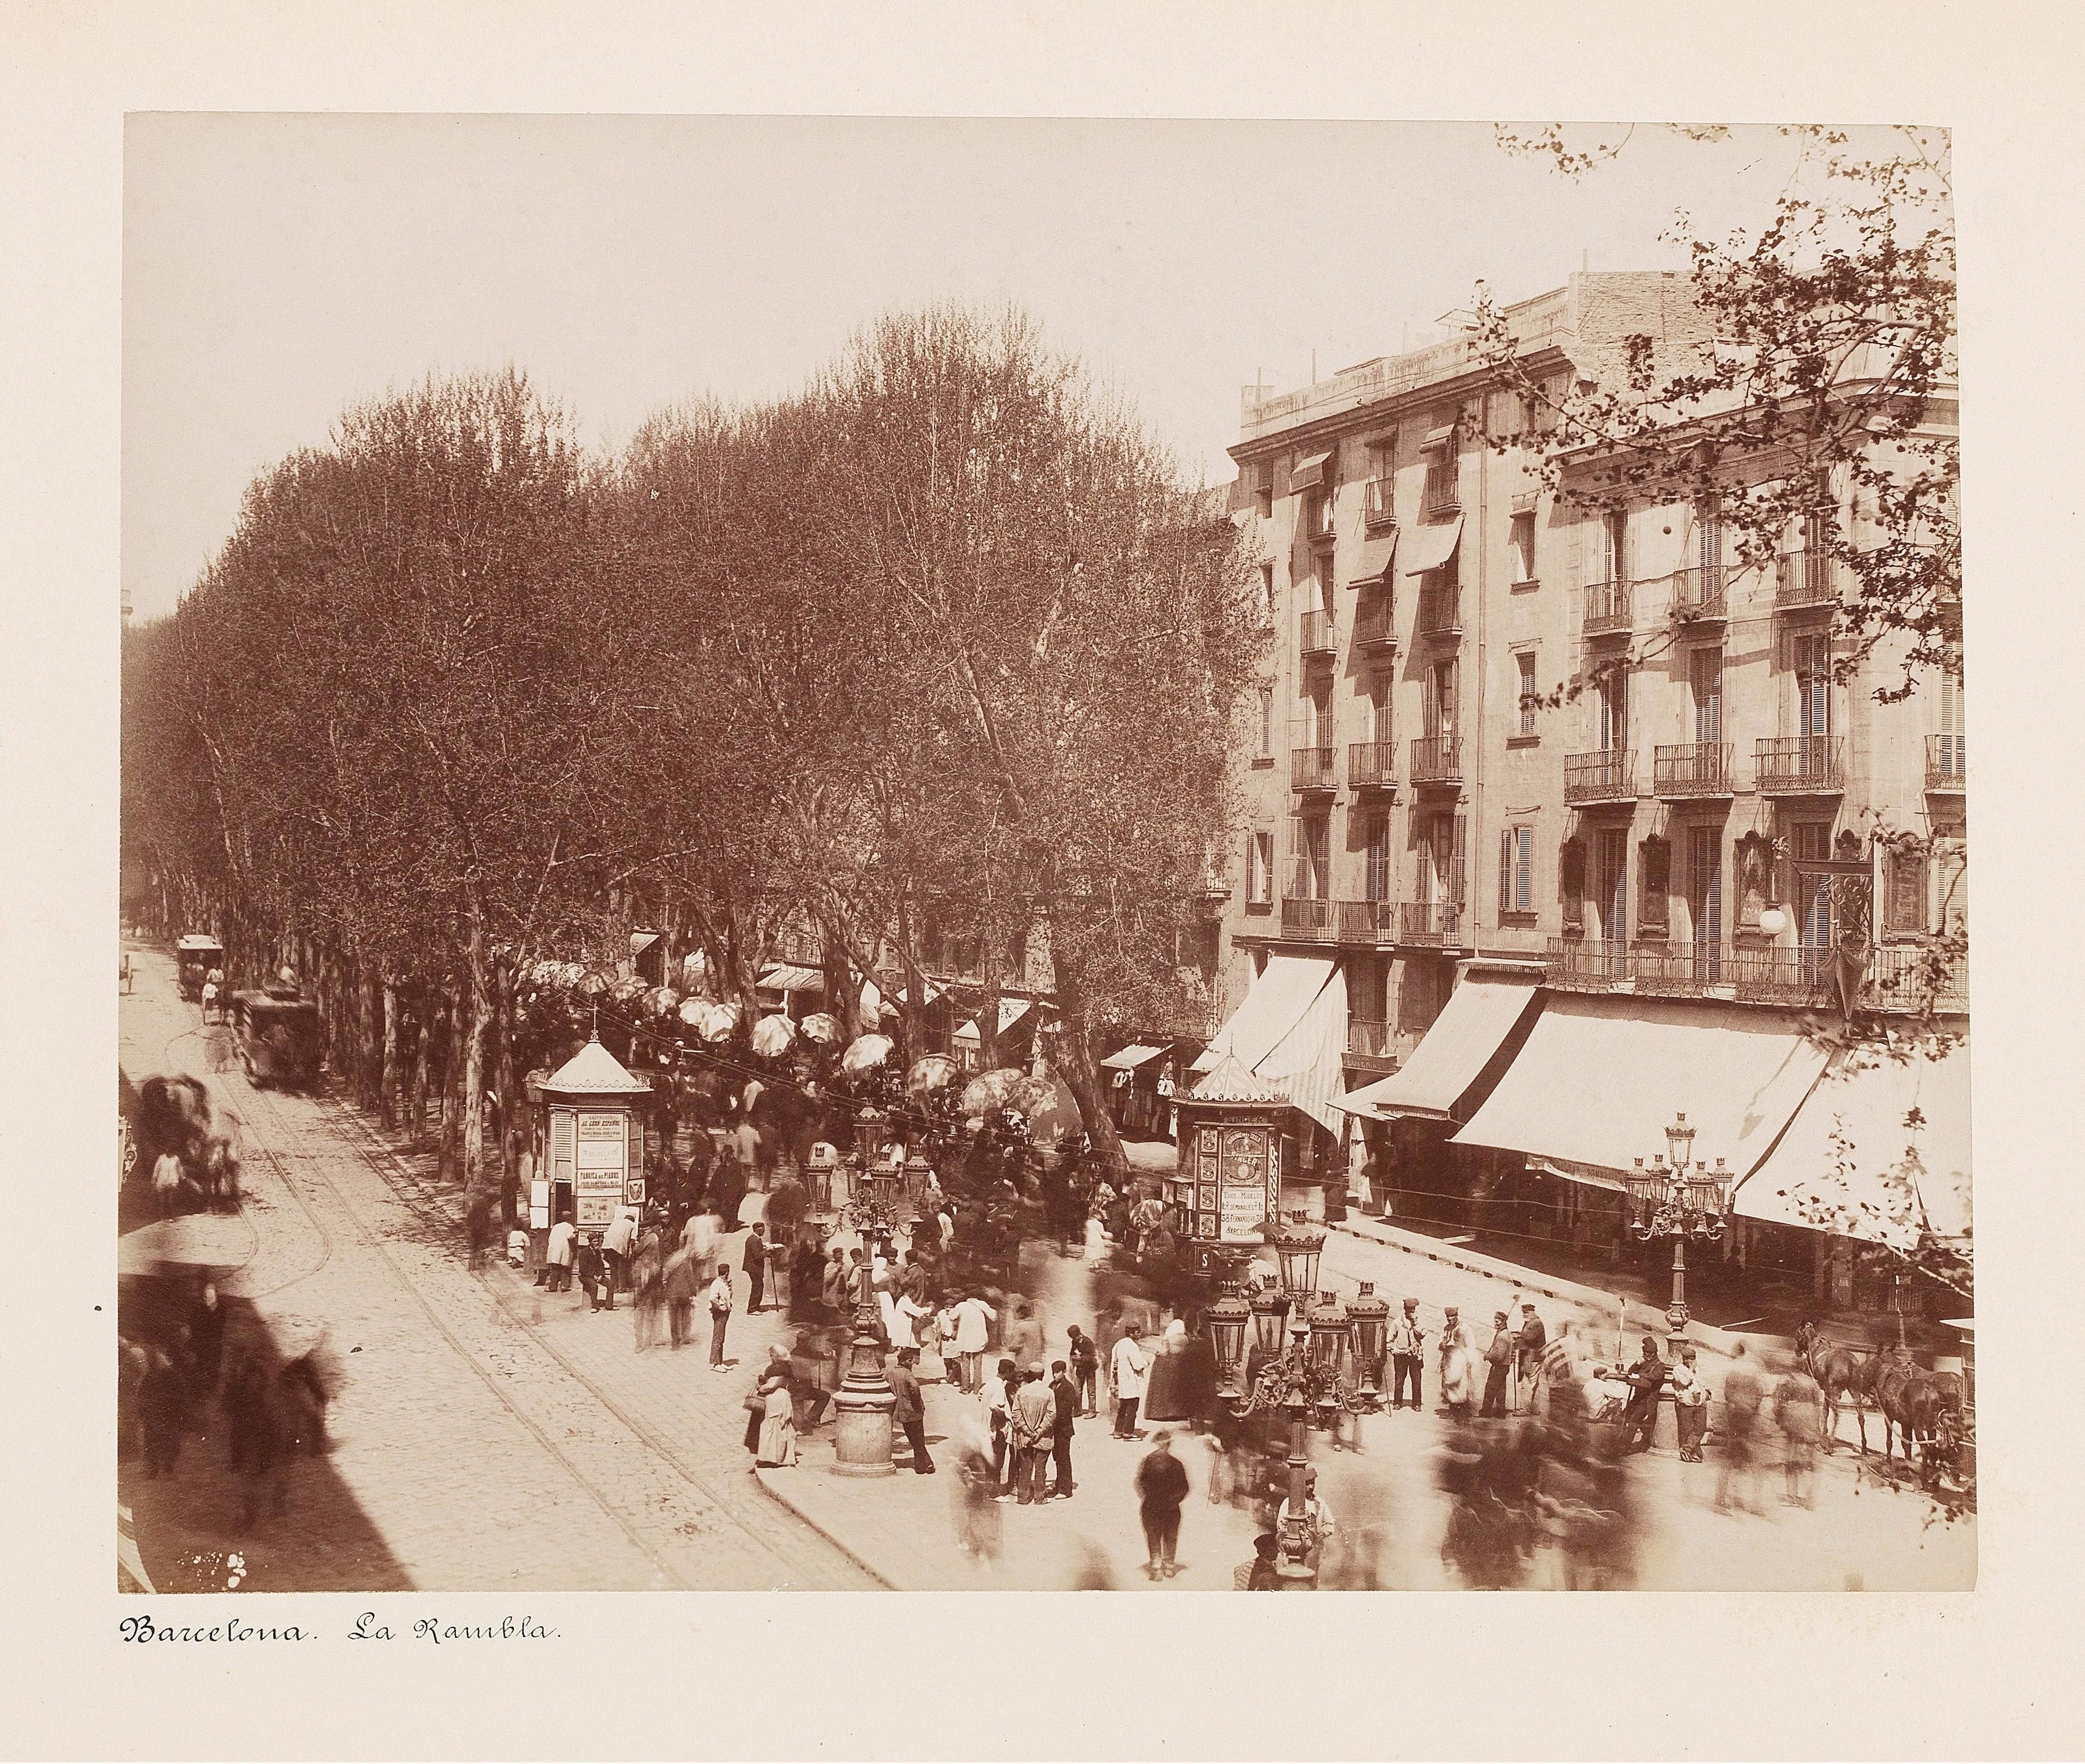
<point>1523,761</point>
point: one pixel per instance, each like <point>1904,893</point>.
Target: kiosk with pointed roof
<point>590,1125</point>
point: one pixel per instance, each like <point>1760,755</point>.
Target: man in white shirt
<point>1128,1365</point>
<point>973,1319</point>
<point>558,1256</point>
<point>615,1245</point>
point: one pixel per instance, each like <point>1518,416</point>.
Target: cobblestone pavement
<point>469,1453</point>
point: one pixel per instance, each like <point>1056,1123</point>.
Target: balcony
<point>1372,1044</point>
<point>1608,775</point>
<point>1915,977</point>
<point>1371,923</point>
<point>1608,610</point>
<point>1379,503</point>
<point>1370,765</point>
<point>1700,768</point>
<point>1801,765</point>
<point>1430,923</point>
<point>1947,763</point>
<point>1649,965</point>
<point>1318,636</point>
<point>1307,921</point>
<point>1311,768</point>
<point>1437,761</point>
<point>1806,579</point>
<point>1699,596</point>
<point>1440,613</point>
<point>1373,628</point>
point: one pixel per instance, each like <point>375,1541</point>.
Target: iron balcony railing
<point>1915,977</point>
<point>1309,921</point>
<point>1372,623</point>
<point>1648,964</point>
<point>1801,765</point>
<point>1806,579</point>
<point>1368,1038</point>
<point>1318,636</point>
<point>1440,612</point>
<point>1607,610</point>
<point>1370,923</point>
<point>1698,768</point>
<point>1947,761</point>
<point>1608,775</point>
<point>1436,760</point>
<point>1311,768</point>
<point>1379,503</point>
<point>1701,593</point>
<point>1371,764</point>
<point>1429,922</point>
<point>1898,977</point>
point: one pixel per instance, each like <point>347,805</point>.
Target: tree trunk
<point>473,1063</point>
<point>387,1081</point>
<point>1075,1060</point>
<point>449,1155</point>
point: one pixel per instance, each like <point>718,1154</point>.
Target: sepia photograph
<point>863,854</point>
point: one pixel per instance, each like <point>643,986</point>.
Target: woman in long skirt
<point>778,1428</point>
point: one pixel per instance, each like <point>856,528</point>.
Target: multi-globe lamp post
<point>1676,1198</point>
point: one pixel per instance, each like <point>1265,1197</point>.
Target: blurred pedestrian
<point>1127,1367</point>
<point>1161,1487</point>
<point>1498,1362</point>
<point>1066,1395</point>
<point>1407,1345</point>
<point>973,1319</point>
<point>754,1261</point>
<point>1798,1411</point>
<point>680,1280</point>
<point>206,1343</point>
<point>909,1410</point>
<point>615,1247</point>
<point>1458,1373</point>
<point>1533,1338</point>
<point>976,1494</point>
<point>1690,1405</point>
<point>720,1316</point>
<point>162,1412</point>
<point>1737,1482</point>
<point>647,1282</point>
<point>1085,1367</point>
<point>1024,1335</point>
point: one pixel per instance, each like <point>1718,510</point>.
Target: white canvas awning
<point>1310,471</point>
<point>1129,1058</point>
<point>1372,562</point>
<point>1430,547</point>
<point>786,977</point>
<point>1273,1005</point>
<point>1855,1161</point>
<point>1308,1064</point>
<point>1478,1018</point>
<point>1602,1076</point>
<point>1011,1011</point>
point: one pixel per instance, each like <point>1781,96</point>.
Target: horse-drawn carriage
<point>198,957</point>
<point>280,1035</point>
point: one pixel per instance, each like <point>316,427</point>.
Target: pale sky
<point>277,267</point>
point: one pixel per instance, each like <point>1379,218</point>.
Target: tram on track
<point>280,1036</point>
<point>199,957</point>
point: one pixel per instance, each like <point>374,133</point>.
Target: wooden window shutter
<point>1458,876</point>
<point>1523,875</point>
<point>1905,908</point>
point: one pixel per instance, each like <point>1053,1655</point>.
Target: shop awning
<point>932,990</point>
<point>1310,471</point>
<point>1308,1064</point>
<point>1011,1011</point>
<point>1478,1018</point>
<point>786,977</point>
<point>1372,563</point>
<point>1854,1161</point>
<point>640,941</point>
<point>1273,1005</point>
<point>1129,1059</point>
<point>1429,548</point>
<point>1602,1076</point>
<point>1440,437</point>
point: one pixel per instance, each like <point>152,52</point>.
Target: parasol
<point>1054,1118</point>
<point>933,1073</point>
<point>695,1012</point>
<point>720,1022</point>
<point>864,1052</point>
<point>629,987</point>
<point>593,982</point>
<point>772,1034</point>
<point>662,999</point>
<point>989,1090</point>
<point>820,1026</point>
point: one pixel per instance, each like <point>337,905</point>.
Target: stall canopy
<point>1479,1015</point>
<point>1291,1032</point>
<point>1129,1059</point>
<point>1601,1077</point>
<point>1011,1011</point>
<point>1429,548</point>
<point>1310,471</point>
<point>786,977</point>
<point>1854,1160</point>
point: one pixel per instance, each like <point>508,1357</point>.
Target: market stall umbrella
<point>821,1026</point>
<point>1054,1118</point>
<point>772,1034</point>
<point>933,1073</point>
<point>662,999</point>
<point>721,1020</point>
<point>593,982</point>
<point>626,988</point>
<point>695,1012</point>
<point>194,1239</point>
<point>989,1090</point>
<point>864,1052</point>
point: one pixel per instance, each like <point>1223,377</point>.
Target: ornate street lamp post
<point>1681,1199</point>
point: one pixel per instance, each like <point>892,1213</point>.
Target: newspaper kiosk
<point>590,1125</point>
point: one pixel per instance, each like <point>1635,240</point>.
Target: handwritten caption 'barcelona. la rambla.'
<point>143,1628</point>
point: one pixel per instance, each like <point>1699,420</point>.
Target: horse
<point>1912,1401</point>
<point>1839,1372</point>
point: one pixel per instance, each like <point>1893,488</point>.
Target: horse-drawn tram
<point>281,1038</point>
<point>199,957</point>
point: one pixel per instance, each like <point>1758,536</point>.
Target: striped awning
<point>786,977</point>
<point>1310,471</point>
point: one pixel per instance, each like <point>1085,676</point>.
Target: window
<point>1613,860</point>
<point>1441,682</point>
<point>1267,593</point>
<point>1952,757</point>
<point>1260,866</point>
<point>1523,546</point>
<point>1267,722</point>
<point>1904,884</point>
<point>1704,897</point>
<point>1379,703</point>
<point>1376,835</point>
<point>1614,710</point>
<point>1813,893</point>
<point>1705,668</point>
<point>1516,870</point>
<point>1709,546</point>
<point>1310,849</point>
<point>1655,866</point>
<point>1951,848</point>
<point>1443,465</point>
<point>1263,495</point>
<point>1529,698</point>
<point>1327,580</point>
<point>1571,883</point>
<point>1614,545</point>
<point>1812,660</point>
<point>1317,511</point>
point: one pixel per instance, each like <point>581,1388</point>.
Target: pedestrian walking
<point>1161,1487</point>
<point>908,1411</point>
<point>557,1256</point>
<point>719,1317</point>
<point>1690,1405</point>
<point>615,1247</point>
<point>1066,1397</point>
<point>1086,1368</point>
<point>1744,1392</point>
<point>1498,1362</point>
<point>754,1262</point>
<point>1408,1344</point>
<point>1127,1367</point>
<point>680,1280</point>
<point>1798,1411</point>
<point>976,1502</point>
<point>648,1286</point>
<point>1458,1375</point>
<point>1024,1335</point>
<point>210,1009</point>
<point>1563,1403</point>
<point>778,1422</point>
